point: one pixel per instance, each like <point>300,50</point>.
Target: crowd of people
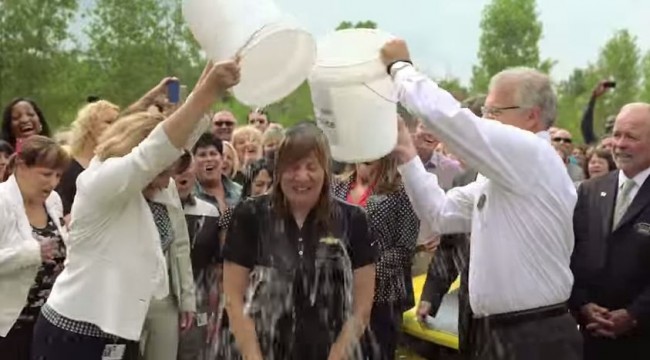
<point>164,231</point>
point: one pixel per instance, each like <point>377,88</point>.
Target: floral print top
<point>46,275</point>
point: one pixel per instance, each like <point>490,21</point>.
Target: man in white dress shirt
<point>519,211</point>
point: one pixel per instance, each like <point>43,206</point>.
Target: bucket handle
<point>239,52</point>
<point>380,95</point>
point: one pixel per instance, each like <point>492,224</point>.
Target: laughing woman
<point>21,119</point>
<point>311,259</point>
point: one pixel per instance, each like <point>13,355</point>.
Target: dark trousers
<point>631,347</point>
<point>552,338</point>
<point>380,340</point>
<point>53,343</point>
<point>17,344</point>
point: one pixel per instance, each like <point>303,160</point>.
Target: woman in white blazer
<point>115,262</point>
<point>32,250</point>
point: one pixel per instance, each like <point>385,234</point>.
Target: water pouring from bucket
<point>353,95</point>
<point>276,54</point>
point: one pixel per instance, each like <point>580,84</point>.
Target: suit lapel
<point>641,200</point>
<point>607,202</point>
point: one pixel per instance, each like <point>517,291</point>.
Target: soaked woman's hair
<point>300,141</point>
<point>7,135</point>
<point>254,170</point>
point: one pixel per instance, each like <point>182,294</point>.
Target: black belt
<point>522,316</point>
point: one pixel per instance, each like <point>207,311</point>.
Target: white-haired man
<point>519,210</point>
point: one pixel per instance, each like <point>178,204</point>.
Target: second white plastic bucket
<point>353,95</point>
<point>276,54</point>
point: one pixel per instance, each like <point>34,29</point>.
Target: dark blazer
<point>451,257</point>
<point>611,266</point>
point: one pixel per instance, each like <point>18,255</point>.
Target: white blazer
<point>115,263</point>
<point>20,253</point>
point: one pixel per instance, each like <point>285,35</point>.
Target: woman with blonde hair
<point>116,265</point>
<point>230,165</point>
<point>91,122</point>
<point>32,235</point>
<point>247,141</point>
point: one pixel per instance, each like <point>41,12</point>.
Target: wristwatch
<point>396,66</point>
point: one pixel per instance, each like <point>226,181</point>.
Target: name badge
<point>201,319</point>
<point>642,229</point>
<point>113,352</point>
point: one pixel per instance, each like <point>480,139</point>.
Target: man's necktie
<point>623,200</point>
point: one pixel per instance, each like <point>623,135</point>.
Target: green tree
<point>35,43</point>
<point>510,34</point>
<point>620,60</point>
<point>573,96</point>
<point>134,44</point>
<point>454,87</point>
<point>368,24</point>
<point>645,69</point>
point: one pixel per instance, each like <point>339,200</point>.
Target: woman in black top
<point>309,255</point>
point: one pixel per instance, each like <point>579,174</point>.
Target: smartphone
<point>174,91</point>
<point>610,84</point>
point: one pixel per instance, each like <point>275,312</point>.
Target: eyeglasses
<point>496,111</point>
<point>563,140</point>
<point>220,123</point>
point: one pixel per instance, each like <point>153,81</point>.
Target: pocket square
<point>642,229</point>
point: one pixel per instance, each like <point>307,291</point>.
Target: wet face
<point>37,182</point>
<point>632,139</point>
<point>185,181</point>
<point>208,162</point>
<point>228,162</point>
<point>564,140</point>
<point>105,119</point>
<point>302,182</point>
<point>223,124</point>
<point>261,184</point>
<point>159,183</point>
<point>260,121</point>
<point>24,120</point>
<point>597,166</point>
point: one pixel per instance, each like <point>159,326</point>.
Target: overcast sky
<point>444,34</point>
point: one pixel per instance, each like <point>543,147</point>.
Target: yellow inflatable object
<point>411,326</point>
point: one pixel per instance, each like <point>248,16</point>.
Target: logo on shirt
<point>330,240</point>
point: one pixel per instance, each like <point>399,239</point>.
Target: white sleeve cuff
<point>411,168</point>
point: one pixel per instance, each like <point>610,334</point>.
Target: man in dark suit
<point>611,259</point>
<point>450,259</point>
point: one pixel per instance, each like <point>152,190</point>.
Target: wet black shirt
<point>301,282</point>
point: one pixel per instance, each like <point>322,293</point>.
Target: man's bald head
<point>632,138</point>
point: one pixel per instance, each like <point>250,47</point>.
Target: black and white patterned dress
<point>46,275</point>
<point>395,226</point>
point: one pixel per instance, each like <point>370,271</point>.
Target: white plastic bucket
<point>277,55</point>
<point>353,95</point>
